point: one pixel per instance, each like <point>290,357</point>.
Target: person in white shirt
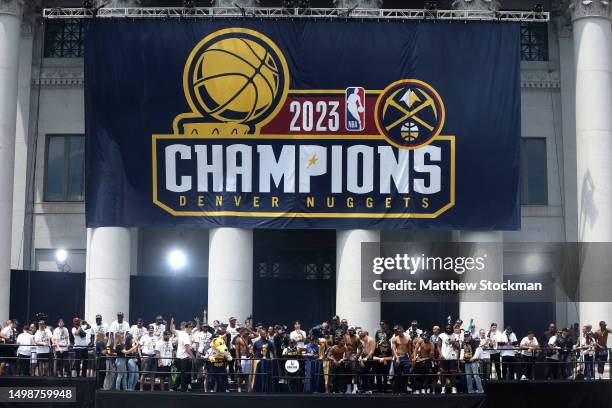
<point>552,358</point>
<point>99,326</point>
<point>118,326</point>
<point>8,335</point>
<point>138,330</point>
<point>298,335</point>
<point>587,349</point>
<point>159,327</point>
<point>163,352</point>
<point>413,331</point>
<point>507,342</point>
<point>25,341</point>
<point>42,339</point>
<point>485,353</point>
<point>493,335</point>
<point>448,350</point>
<point>61,341</point>
<point>147,353</point>
<point>81,333</point>
<point>471,353</point>
<point>528,346</point>
<point>185,356</point>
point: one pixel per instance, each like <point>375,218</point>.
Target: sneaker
<point>523,377</point>
<point>454,391</point>
<point>443,390</point>
<point>417,392</point>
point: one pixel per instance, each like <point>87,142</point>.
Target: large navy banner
<point>303,124</point>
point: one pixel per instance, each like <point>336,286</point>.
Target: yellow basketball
<point>235,79</point>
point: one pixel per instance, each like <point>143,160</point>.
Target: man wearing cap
<point>413,331</point>
<point>99,326</point>
<point>118,326</point>
<point>383,359</point>
<point>470,356</point>
<point>423,364</point>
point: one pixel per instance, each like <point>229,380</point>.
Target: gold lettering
<point>388,202</point>
<point>218,201</point>
<point>310,201</point>
<point>369,202</point>
<point>256,201</point>
<point>350,203</point>
<point>331,203</point>
<point>237,200</point>
<point>182,201</point>
<point>275,202</point>
<point>406,201</point>
<point>425,202</point>
<point>200,201</point>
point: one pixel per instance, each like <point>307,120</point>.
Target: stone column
<point>230,274</point>
<point>109,261</point>
<point>10,30</point>
<point>593,58</point>
<point>485,313</point>
<point>348,280</point>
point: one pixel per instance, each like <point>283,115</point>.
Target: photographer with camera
<point>81,333</point>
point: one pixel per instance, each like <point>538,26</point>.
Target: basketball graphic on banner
<point>236,77</point>
<point>409,131</point>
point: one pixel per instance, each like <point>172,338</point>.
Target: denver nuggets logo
<point>235,81</point>
<point>409,113</point>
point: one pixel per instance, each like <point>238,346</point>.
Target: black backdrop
<point>171,296</point>
<point>57,294</point>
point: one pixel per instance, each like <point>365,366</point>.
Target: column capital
<point>14,7</point>
<point>488,5</point>
<point>370,4</point>
<point>589,8</point>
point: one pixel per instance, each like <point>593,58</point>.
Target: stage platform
<point>515,394</point>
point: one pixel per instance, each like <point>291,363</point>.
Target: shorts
<point>449,366</point>
<point>42,356</point>
<point>601,356</point>
<point>149,363</point>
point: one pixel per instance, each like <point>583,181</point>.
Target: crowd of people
<point>332,357</point>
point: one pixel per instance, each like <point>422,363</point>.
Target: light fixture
<point>288,4</point>
<point>538,8</point>
<point>87,4</point>
<point>304,4</point>
<point>534,263</point>
<point>61,260</point>
<point>177,259</point>
<point>189,4</point>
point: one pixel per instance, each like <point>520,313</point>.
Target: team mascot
<point>218,357</point>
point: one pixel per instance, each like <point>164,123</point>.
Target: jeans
<point>121,366</point>
<point>472,373</point>
<point>132,374</point>
<point>589,367</point>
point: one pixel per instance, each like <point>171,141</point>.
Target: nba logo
<point>355,109</point>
